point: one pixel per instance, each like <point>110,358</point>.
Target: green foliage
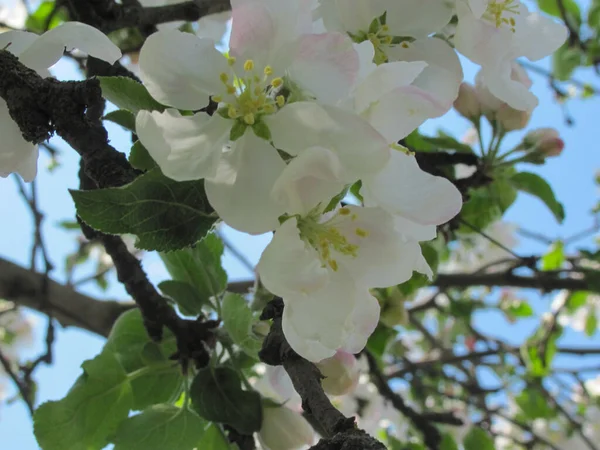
<point>575,300</point>
<point>591,322</point>
<point>128,94</point>
<point>90,413</point>
<point>535,185</point>
<point>571,7</point>
<point>200,267</point>
<point>534,405</point>
<point>184,295</point>
<point>160,427</point>
<point>164,214</point>
<point>478,439</point>
<point>448,442</point>
<point>122,117</point>
<point>237,320</point>
<point>213,439</point>
<point>140,158</point>
<point>554,259</point>
<point>161,380</point>
<point>48,15</point>
<point>444,141</point>
<point>565,60</point>
<point>217,396</point>
<point>517,309</point>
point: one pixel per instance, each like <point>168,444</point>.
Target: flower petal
<point>417,18</point>
<point>16,41</point>
<point>16,154</point>
<point>184,147</point>
<point>315,176</point>
<point>288,266</point>
<point>240,192</point>
<point>298,126</point>
<point>184,78</point>
<point>45,51</point>
<point>326,65</point>
<point>404,189</point>
<point>361,323</point>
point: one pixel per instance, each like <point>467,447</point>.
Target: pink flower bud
<point>284,429</point>
<point>511,119</point>
<point>545,140</point>
<point>341,373</point>
<point>467,102</point>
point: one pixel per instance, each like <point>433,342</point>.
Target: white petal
<point>500,84</point>
<point>213,26</point>
<point>181,70</point>
<point>240,192</point>
<point>16,154</point>
<point>417,18</point>
<point>413,230</point>
<point>315,176</point>
<point>349,15</point>
<point>443,74</point>
<point>422,266</point>
<point>326,65</point>
<point>318,324</point>
<point>366,53</point>
<point>382,257</point>
<point>384,79</point>
<point>298,126</point>
<point>49,47</point>
<point>289,266</point>
<point>404,189</point>
<point>184,147</point>
<point>543,37</point>
<point>400,112</point>
<point>18,40</point>
<point>362,323</point>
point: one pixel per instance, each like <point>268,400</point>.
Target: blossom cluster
<point>313,99</point>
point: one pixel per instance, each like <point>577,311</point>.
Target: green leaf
<point>213,439</point>
<point>591,322</point>
<point>140,158</point>
<point>447,142</point>
<point>565,60</point>
<point>478,439</point>
<point>535,185</point>
<point>593,17</point>
<point>379,340</point>
<point>128,94</point>
<point>185,295</point>
<point>237,320</point>
<point>217,396</point>
<point>534,405</point>
<point>92,410</point>
<point>160,427</point>
<point>448,442</point>
<point>555,257</point>
<point>575,301</point>
<point>517,309</point>
<point>37,21</point>
<point>571,8</point>
<point>164,214</point>
<point>122,117</point>
<point>129,341</point>
<point>199,266</point>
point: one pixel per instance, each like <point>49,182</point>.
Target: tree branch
<point>69,307</point>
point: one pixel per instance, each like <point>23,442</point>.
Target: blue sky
<point>571,176</point>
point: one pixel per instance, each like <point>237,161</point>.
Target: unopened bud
<point>284,429</point>
<point>340,372</point>
<point>511,119</point>
<point>467,102</point>
<point>544,140</point>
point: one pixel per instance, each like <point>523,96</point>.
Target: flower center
<point>379,35</point>
<point>501,12</point>
<point>248,97</point>
<point>326,237</point>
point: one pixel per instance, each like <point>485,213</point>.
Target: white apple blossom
<point>493,33</point>
<point>40,53</point>
<point>284,429</point>
<point>13,13</point>
<point>341,373</point>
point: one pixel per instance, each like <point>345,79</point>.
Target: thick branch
<point>69,307</point>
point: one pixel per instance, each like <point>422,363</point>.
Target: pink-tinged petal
<point>349,15</point>
<point>184,78</point>
<point>314,177</point>
<point>417,18</point>
<point>288,266</point>
<point>184,147</point>
<point>240,192</point>
<point>404,189</point>
<point>16,154</point>
<point>45,51</point>
<point>543,37</point>
<point>326,65</point>
<point>399,113</point>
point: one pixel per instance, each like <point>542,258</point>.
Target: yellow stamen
<point>217,98</point>
<point>249,65</point>
<point>280,99</point>
<point>276,82</point>
<point>333,264</point>
<point>232,112</point>
<point>249,119</point>
<point>224,77</point>
<point>360,232</point>
<point>231,89</point>
<point>344,211</point>
<point>268,71</point>
<point>231,60</point>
